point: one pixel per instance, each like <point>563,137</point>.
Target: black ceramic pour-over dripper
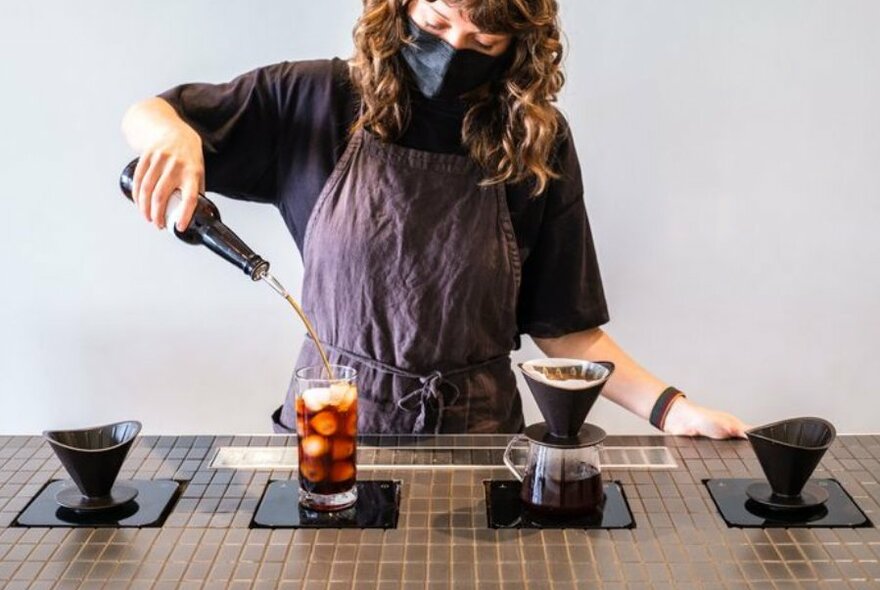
<point>790,450</point>
<point>93,458</point>
<point>564,409</point>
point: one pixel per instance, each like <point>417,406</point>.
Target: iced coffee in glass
<point>326,427</point>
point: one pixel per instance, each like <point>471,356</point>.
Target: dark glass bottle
<point>207,229</point>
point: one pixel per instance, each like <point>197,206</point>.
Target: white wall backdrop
<point>730,152</point>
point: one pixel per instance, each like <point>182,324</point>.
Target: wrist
<point>179,131</point>
<point>663,405</point>
<point>680,418</point>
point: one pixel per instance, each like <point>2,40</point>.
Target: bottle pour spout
<point>273,282</point>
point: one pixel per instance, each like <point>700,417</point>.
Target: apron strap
<point>431,398</point>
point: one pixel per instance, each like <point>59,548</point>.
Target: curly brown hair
<point>511,124</point>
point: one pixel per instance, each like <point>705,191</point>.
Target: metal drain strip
<point>285,458</point>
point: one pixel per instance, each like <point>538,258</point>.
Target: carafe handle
<point>508,460</point>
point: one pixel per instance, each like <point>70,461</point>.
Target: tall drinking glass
<point>326,427</point>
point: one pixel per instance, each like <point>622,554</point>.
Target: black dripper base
<point>377,507</point>
<point>69,496</point>
<point>505,510</point>
<point>154,501</point>
<point>731,497</point>
<point>811,498</point>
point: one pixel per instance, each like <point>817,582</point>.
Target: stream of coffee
<point>279,288</point>
<point>312,333</point>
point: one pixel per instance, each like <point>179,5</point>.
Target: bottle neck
<point>207,229</point>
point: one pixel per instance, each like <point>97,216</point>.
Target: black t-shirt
<point>274,135</point>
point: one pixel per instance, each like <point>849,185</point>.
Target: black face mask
<point>442,71</point>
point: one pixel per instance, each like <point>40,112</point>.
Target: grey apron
<point>411,277</point>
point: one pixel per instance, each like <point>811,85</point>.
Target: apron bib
<point>411,277</point>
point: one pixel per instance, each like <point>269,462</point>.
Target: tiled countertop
<point>442,541</point>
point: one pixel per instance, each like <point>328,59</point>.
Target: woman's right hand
<point>173,161</point>
<point>686,418</point>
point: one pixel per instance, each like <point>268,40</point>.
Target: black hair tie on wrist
<point>661,407</point>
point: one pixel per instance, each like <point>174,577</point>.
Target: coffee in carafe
<point>563,497</point>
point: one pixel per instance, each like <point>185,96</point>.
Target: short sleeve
<point>561,289</point>
<point>240,126</point>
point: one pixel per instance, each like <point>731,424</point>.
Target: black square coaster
<point>377,507</point>
<point>737,510</point>
<point>150,508</point>
<point>505,510</point>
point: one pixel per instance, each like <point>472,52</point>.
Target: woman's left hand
<point>689,419</point>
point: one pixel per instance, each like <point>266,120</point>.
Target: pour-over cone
<point>94,456</point>
<point>790,450</point>
<point>565,390</point>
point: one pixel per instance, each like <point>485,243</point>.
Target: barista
<point>434,192</point>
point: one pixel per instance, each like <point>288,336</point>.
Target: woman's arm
<point>634,388</point>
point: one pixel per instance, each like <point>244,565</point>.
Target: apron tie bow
<point>430,400</point>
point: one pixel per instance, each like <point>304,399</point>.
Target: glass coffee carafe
<point>560,476</point>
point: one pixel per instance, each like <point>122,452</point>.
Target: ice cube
<point>315,446</point>
<point>313,471</point>
<point>351,423</point>
<point>342,471</point>
<point>338,392</point>
<point>343,448</point>
<point>316,398</point>
<point>324,423</point>
<point>351,395</point>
